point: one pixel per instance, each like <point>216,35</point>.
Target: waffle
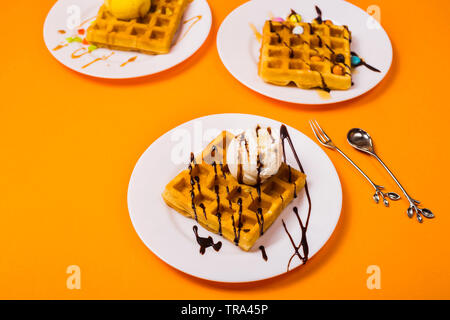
<point>243,217</point>
<point>286,57</point>
<point>151,34</point>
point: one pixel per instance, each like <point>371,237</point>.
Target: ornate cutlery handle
<point>378,189</point>
<point>413,204</point>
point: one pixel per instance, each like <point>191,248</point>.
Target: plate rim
<point>254,279</point>
<point>320,102</point>
<point>124,77</point>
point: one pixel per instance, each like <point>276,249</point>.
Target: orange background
<point>69,144</point>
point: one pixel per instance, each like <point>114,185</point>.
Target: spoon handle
<point>395,179</point>
<point>413,204</point>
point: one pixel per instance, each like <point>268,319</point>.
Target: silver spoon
<point>325,140</point>
<point>361,140</point>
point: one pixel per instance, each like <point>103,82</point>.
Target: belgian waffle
<point>244,212</point>
<point>150,34</point>
<point>306,59</point>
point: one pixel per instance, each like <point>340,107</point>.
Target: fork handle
<point>358,168</point>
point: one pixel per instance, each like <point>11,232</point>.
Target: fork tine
<point>322,131</point>
<point>318,132</point>
<point>315,131</point>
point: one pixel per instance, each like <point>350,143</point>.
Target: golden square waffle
<point>150,34</point>
<point>243,216</point>
<point>306,59</point>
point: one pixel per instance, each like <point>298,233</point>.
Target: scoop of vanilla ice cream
<point>128,9</point>
<point>245,149</point>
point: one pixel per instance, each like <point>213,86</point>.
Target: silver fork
<point>326,141</point>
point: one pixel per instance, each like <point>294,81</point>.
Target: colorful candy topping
<point>74,39</point>
<point>316,58</point>
<point>339,58</point>
<point>356,61</point>
<point>297,30</point>
<point>294,17</point>
<point>338,70</point>
<point>278,19</point>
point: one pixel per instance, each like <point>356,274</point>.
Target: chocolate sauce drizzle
<point>291,51</point>
<point>329,48</point>
<point>237,231</point>
<point>350,34</point>
<point>201,205</point>
<point>206,242</point>
<point>215,170</point>
<point>229,200</point>
<point>193,202</point>
<point>319,20</point>
<point>320,41</point>
<point>363,63</point>
<point>324,85</point>
<point>193,185</point>
<point>295,190</point>
<point>193,159</point>
<point>263,252</point>
<point>259,164</point>
<point>237,226</point>
<point>290,181</point>
<point>319,15</point>
<point>278,36</point>
<point>240,173</point>
<point>197,179</point>
<point>240,169</point>
<point>303,242</point>
<point>222,168</point>
<point>303,245</point>
<point>218,213</point>
<point>260,218</point>
<point>269,131</point>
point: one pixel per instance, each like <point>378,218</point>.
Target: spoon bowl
<point>361,140</point>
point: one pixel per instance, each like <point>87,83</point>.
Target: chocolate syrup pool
<point>206,242</point>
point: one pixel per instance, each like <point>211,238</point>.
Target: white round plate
<point>67,15</point>
<point>170,235</point>
<point>239,49</point>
